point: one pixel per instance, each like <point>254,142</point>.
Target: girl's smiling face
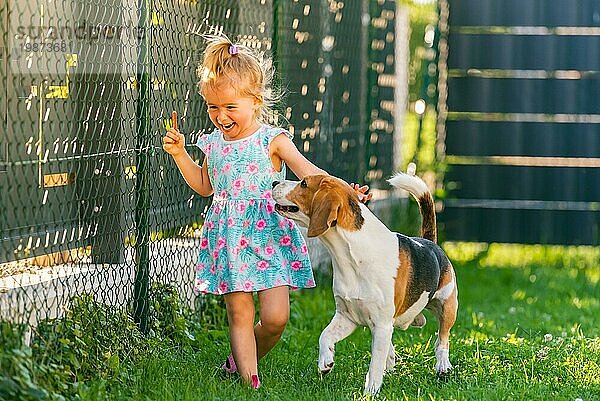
<point>232,113</point>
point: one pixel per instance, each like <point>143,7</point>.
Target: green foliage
<point>92,340</point>
<point>421,15</point>
<point>420,133</point>
<point>11,335</point>
<point>18,372</point>
<point>424,156</point>
<point>91,346</point>
<point>211,311</point>
<point>170,317</point>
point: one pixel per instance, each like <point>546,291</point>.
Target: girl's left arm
<point>282,149</point>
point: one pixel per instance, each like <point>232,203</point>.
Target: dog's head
<point>319,202</point>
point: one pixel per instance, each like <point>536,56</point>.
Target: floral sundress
<point>245,244</point>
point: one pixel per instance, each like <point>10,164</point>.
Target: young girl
<point>245,245</point>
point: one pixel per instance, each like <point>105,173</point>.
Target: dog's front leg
<point>382,338</point>
<point>339,328</point>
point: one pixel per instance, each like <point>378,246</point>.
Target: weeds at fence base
<point>95,342</point>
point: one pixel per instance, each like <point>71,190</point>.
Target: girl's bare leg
<point>274,315</point>
<point>240,313</point>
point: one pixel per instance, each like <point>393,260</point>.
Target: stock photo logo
<point>42,41</point>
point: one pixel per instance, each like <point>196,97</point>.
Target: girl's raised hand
<point>363,196</point>
<point>174,141</point>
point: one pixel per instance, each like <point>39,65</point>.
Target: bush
<point>170,317</point>
<point>93,342</point>
<point>18,372</point>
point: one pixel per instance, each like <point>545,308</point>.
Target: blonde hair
<point>250,72</point>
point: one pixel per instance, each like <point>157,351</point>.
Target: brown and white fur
<point>381,279</point>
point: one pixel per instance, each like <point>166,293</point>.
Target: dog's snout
<point>275,183</point>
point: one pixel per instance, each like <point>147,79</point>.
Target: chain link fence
<point>89,202</point>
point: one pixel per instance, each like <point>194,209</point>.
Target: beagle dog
<point>381,279</point>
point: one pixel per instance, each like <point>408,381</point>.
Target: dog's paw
<point>443,368</point>
<point>327,368</point>
<point>445,376</point>
<point>326,361</point>
<point>372,386</point>
<point>442,362</point>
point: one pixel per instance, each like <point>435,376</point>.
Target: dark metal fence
<point>522,121</point>
<point>89,202</point>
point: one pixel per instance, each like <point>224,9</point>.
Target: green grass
<point>528,329</point>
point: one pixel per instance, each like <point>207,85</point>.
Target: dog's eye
<point>303,184</point>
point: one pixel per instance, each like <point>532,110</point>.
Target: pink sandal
<point>255,382</point>
<point>229,365</point>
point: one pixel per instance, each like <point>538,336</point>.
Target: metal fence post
<point>275,34</point>
<point>371,90</point>
<point>142,228</point>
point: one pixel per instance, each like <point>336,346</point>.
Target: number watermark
<point>55,47</point>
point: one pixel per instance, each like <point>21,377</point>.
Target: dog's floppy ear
<point>325,206</point>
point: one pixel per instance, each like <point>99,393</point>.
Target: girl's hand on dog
<point>174,141</point>
<point>363,196</point>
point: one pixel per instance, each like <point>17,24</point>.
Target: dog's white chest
<point>357,310</point>
<point>364,300</point>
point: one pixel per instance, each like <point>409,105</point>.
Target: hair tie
<point>233,49</point>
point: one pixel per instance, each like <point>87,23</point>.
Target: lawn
<point>528,329</point>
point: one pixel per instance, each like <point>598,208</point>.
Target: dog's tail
<point>419,190</point>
